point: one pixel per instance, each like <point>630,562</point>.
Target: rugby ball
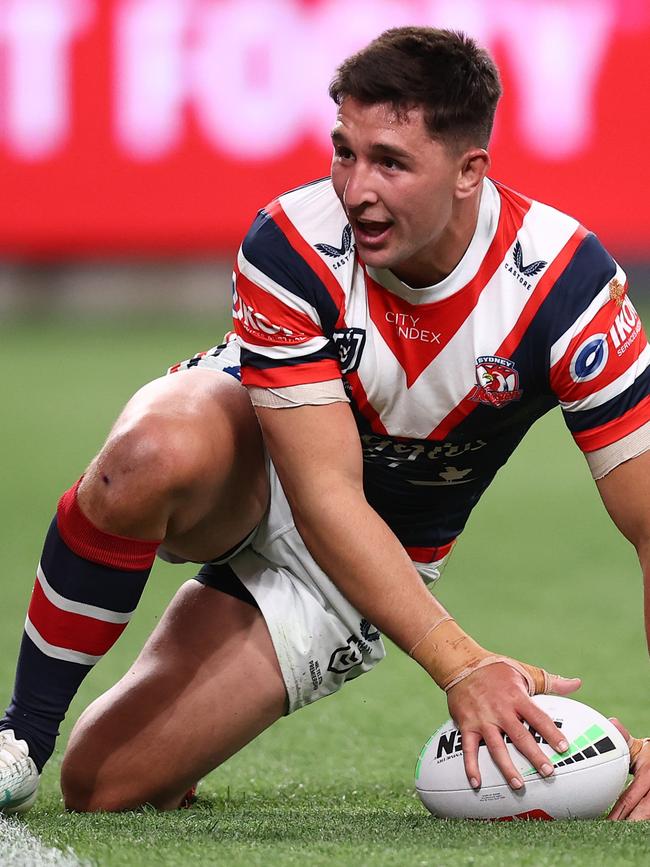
<point>588,777</point>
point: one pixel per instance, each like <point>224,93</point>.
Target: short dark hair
<point>444,72</point>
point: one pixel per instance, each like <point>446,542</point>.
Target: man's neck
<point>439,261</point>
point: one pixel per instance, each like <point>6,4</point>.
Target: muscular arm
<point>626,494</point>
<point>317,454</point>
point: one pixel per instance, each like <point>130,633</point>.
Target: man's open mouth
<point>371,233</point>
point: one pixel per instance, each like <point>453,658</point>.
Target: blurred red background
<point>159,127</point>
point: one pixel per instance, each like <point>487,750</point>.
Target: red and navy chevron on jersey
<point>444,381</point>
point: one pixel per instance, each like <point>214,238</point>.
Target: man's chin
<point>376,258</point>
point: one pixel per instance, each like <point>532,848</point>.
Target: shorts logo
<point>497,381</point>
<point>345,658</point>
<point>368,631</point>
<point>590,358</point>
<point>349,343</point>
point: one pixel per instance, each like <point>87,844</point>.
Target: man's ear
<point>475,164</point>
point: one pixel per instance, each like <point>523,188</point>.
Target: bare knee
<point>130,487</point>
<point>94,778</point>
<point>180,446</point>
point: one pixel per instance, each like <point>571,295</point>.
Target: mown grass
<point>541,574</point>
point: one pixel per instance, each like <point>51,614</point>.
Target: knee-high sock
<point>87,586</point>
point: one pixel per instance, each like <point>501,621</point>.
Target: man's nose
<point>359,189</point>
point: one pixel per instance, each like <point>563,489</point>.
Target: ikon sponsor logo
<point>260,325</point>
<point>626,327</point>
<point>590,358</point>
<point>408,327</point>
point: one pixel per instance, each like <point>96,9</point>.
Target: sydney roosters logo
<point>497,381</point>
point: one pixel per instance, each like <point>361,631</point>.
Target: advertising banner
<point>160,127</point>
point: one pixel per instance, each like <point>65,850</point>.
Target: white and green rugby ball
<point>588,778</point>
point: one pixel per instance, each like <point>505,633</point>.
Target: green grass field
<point>540,574</point>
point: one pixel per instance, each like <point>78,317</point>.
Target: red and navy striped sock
<point>87,587</point>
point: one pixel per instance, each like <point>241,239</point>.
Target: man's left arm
<point>626,495</point>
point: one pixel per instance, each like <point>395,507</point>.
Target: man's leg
<point>184,464</point>
<point>205,684</point>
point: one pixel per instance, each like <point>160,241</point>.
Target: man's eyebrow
<point>379,148</point>
<point>383,148</point>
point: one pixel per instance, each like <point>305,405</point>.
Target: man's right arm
<point>317,454</point>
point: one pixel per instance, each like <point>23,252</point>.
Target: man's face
<point>397,186</point>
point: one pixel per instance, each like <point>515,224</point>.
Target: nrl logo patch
<point>497,381</point>
<point>349,343</point>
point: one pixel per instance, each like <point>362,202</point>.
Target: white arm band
<point>604,460</point>
<point>306,394</point>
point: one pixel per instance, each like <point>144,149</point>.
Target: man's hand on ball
<point>634,803</point>
<point>493,701</point>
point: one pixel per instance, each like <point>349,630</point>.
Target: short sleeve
<point>599,368</point>
<point>283,312</point>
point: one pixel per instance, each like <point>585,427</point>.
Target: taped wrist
<point>450,655</point>
<point>636,747</point>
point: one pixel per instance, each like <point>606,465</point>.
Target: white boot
<point>19,778</point>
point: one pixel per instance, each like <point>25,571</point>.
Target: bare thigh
<point>205,684</point>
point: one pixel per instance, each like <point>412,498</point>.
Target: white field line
<point>19,848</point>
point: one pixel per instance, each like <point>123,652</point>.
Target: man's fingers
<point>543,725</point>
<point>629,804</point>
<point>640,813</point>
<point>501,757</point>
<point>524,742</point>
<point>471,741</point>
<point>559,685</point>
<point>619,725</point>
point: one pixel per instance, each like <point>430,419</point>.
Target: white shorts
<point>320,639</point>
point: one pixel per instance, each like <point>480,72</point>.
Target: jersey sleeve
<point>283,311</point>
<point>600,365</point>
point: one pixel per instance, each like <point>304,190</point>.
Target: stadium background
<point>139,137</point>
<point>137,140</point>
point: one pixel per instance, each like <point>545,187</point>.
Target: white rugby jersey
<point>444,381</point>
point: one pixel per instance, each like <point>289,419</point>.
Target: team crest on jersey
<point>349,343</point>
<point>497,381</point>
